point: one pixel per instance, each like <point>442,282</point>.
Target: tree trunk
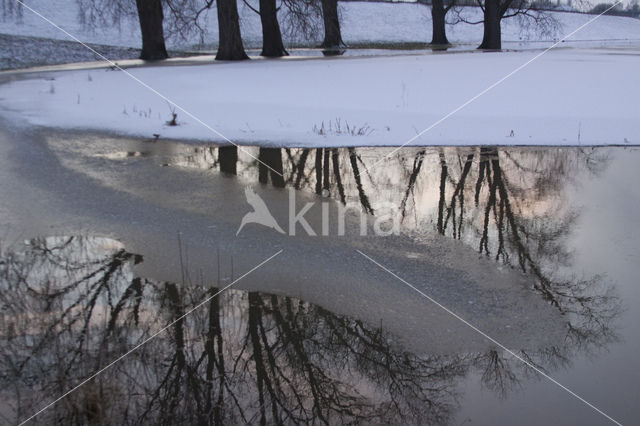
<point>438,14</point>
<point>492,34</point>
<point>230,46</point>
<point>332,36</point>
<point>272,46</point>
<point>151,17</point>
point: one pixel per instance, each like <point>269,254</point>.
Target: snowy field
<point>362,23</point>
<point>566,97</point>
<point>581,96</point>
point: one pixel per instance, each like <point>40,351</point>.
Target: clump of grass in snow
<point>337,127</point>
<point>174,116</point>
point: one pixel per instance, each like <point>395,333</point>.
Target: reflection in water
<point>510,204</point>
<point>71,305</point>
<point>228,158</point>
<point>270,166</point>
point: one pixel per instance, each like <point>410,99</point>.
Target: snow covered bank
<point>362,22</point>
<point>567,97</point>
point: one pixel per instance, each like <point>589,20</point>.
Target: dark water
<point>564,217</point>
<point>71,304</point>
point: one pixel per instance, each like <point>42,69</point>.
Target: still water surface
<point>538,246</point>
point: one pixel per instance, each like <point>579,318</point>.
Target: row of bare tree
<point>184,17</point>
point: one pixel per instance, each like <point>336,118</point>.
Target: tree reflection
<point>270,166</point>
<point>72,305</point>
<point>519,215</point>
<point>522,220</point>
<point>510,204</point>
<point>228,159</point>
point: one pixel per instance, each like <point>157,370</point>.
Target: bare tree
<point>301,19</point>
<point>439,10</point>
<point>230,47</point>
<point>151,19</point>
<point>332,35</point>
<point>494,11</point>
<point>186,19</point>
<point>186,15</point>
<point>272,45</point>
<point>149,14</point>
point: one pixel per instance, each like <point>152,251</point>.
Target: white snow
<point>566,97</point>
<point>362,22</point>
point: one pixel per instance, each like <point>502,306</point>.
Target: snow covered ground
<point>362,22</point>
<point>566,97</point>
